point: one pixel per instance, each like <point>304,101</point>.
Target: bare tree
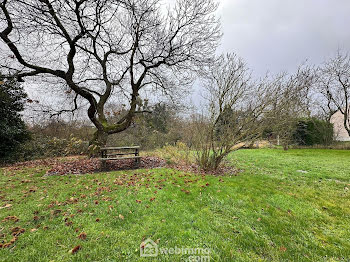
<point>97,50</point>
<point>334,86</point>
<point>291,100</point>
<point>235,114</point>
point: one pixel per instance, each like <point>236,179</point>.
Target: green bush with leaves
<point>313,131</point>
<point>13,131</point>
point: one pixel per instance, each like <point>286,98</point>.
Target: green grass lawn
<point>283,206</point>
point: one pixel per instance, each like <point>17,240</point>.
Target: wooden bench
<point>120,153</point>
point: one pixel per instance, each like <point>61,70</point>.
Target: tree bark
<point>99,140</point>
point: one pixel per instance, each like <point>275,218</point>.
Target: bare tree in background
<point>334,85</point>
<point>291,101</point>
<point>98,49</point>
<point>235,114</point>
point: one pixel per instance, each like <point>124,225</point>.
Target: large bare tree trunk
<point>99,140</point>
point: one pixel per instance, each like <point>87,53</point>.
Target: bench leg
<point>103,162</point>
<point>137,160</point>
<point>104,165</point>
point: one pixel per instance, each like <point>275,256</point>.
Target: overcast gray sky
<point>279,35</point>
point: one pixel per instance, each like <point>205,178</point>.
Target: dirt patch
<point>47,162</point>
<point>84,165</point>
<point>93,165</point>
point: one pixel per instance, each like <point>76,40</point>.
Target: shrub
<point>43,146</point>
<point>13,131</point>
<point>178,153</point>
<point>313,131</point>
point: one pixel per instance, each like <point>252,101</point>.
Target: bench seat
<point>120,153</point>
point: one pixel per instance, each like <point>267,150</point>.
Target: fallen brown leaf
<point>82,236</point>
<point>13,218</point>
<point>75,250</point>
<point>283,249</point>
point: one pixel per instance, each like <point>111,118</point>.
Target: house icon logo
<point>148,248</point>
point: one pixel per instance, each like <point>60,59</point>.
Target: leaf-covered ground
<point>292,206</point>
